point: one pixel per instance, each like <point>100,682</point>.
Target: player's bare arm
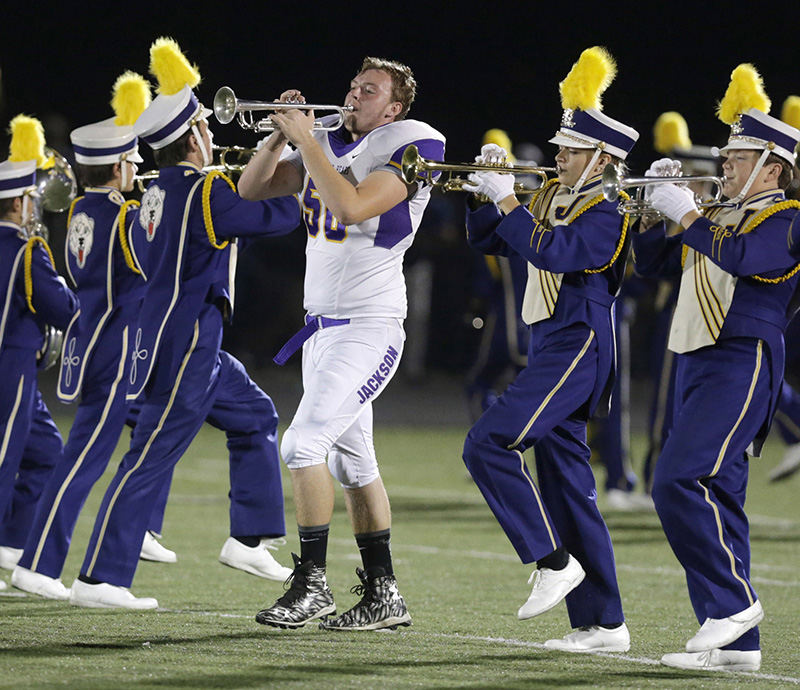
<point>374,195</point>
<point>265,177</point>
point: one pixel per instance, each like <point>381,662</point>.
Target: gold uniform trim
<point>717,465</point>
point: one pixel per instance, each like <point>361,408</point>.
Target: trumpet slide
<point>613,184</point>
<point>227,107</point>
<point>414,167</point>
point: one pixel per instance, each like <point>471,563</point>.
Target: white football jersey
<point>357,270</point>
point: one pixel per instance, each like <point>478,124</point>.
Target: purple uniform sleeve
<point>587,242</point>
<point>655,254</point>
<point>761,251</point>
<point>481,225</point>
<point>54,302</point>
<point>235,217</point>
<point>432,149</point>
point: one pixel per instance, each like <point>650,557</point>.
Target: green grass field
<point>460,577</point>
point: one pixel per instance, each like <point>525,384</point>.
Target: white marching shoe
<point>9,556</point>
<point>153,551</point>
<point>715,660</point>
<point>106,596</point>
<point>256,560</point>
<point>3,585</point>
<point>617,499</point>
<point>593,638</point>
<point>39,584</point>
<point>788,465</point>
<point>717,632</point>
<point>550,587</point>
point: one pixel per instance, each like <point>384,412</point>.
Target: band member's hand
<point>673,201</point>
<point>664,167</point>
<point>292,96</point>
<point>496,186</point>
<point>296,125</point>
<point>491,154</point>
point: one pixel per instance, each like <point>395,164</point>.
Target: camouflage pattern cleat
<point>308,598</point>
<point>381,606</point>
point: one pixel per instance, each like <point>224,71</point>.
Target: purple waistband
<point>313,324</point>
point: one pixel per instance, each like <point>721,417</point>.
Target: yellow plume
<point>170,66</point>
<point>129,97</point>
<point>588,79</point>
<point>27,140</point>
<point>745,91</point>
<point>499,137</point>
<point>790,112</point>
<point>671,132</point>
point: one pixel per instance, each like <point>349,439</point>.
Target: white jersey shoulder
<point>357,270</point>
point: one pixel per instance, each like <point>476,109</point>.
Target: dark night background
<point>488,64</point>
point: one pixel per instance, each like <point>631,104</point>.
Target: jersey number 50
<point>317,217</point>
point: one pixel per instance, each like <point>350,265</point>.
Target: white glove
<point>663,167</point>
<point>496,186</point>
<point>491,154</point>
<point>673,201</point>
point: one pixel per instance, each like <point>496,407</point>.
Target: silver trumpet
<point>613,184</point>
<point>227,107</point>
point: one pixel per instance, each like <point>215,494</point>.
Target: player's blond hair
<point>404,86</point>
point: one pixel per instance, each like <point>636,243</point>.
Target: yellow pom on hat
<point>790,112</point>
<point>671,132</point>
<point>130,96</point>
<point>589,77</point>
<point>745,91</point>
<point>170,67</point>
<point>27,141</point>
<point>499,137</point>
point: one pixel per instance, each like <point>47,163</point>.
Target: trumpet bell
<point>611,184</point>
<point>225,105</point>
<point>410,164</point>
<point>56,185</point>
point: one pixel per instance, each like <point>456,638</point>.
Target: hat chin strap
<point>123,183</point>
<point>26,205</point>
<point>587,170</point>
<point>756,169</point>
<point>206,154</point>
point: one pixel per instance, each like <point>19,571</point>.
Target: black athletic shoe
<point>307,598</point>
<point>381,606</point>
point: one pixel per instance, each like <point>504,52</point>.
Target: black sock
<point>314,544</point>
<point>555,561</point>
<point>249,541</point>
<point>89,580</point>
<point>376,553</point>
<point>610,626</point>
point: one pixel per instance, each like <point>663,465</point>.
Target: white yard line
<point>511,642</point>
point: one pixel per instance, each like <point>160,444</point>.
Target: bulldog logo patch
<point>151,210</point>
<point>80,237</point>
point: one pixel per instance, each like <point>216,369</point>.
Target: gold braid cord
<point>28,273</point>
<point>622,236</point>
<point>123,235</point>
<point>212,238</point>
<point>541,191</point>
<point>760,218</point>
<point>72,208</point>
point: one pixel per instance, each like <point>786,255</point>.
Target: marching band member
<point>98,343</point>
<point>576,244</point>
<point>737,283</point>
<point>361,218</point>
<point>34,295</point>
<point>182,242</point>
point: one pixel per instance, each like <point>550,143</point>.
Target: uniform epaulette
<point>206,199</point>
<point>123,235</point>
<point>28,272</point>
<point>72,208</point>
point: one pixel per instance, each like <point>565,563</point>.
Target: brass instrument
<point>242,154</point>
<point>50,352</point>
<point>56,187</point>
<point>613,184</point>
<point>414,166</point>
<point>227,107</point>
